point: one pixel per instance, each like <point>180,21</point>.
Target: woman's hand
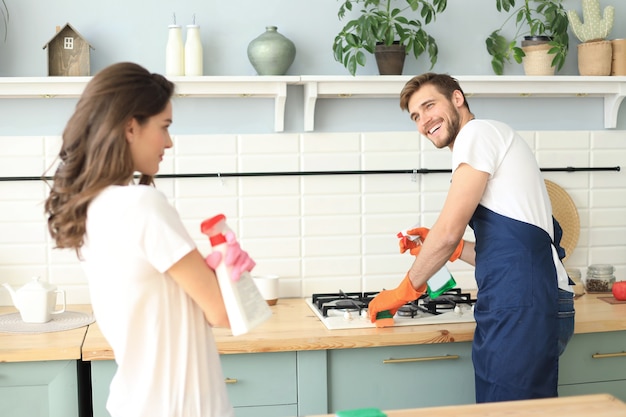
<point>236,259</point>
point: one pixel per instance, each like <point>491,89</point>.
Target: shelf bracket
<point>279,107</point>
<point>310,98</point>
<point>612,104</point>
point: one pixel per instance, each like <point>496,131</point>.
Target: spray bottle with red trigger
<point>442,280</point>
<point>245,306</point>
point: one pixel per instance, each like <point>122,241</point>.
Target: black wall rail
<point>313,173</point>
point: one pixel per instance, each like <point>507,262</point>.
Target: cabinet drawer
<point>257,379</point>
<point>401,376</point>
<point>46,388</point>
<point>594,357</point>
<point>267,411</point>
<point>615,388</point>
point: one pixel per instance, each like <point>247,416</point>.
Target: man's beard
<point>453,128</point>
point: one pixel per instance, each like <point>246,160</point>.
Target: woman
<point>153,295</point>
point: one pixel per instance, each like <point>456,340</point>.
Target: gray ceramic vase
<point>271,53</point>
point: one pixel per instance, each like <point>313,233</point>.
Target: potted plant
<point>595,53</point>
<point>385,23</point>
<point>4,12</point>
<point>542,19</point>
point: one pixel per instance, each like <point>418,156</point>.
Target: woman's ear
<point>131,129</point>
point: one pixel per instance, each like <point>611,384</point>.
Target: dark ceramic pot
<point>535,40</point>
<point>390,58</point>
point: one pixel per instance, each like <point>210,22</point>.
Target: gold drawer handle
<point>608,355</point>
<point>424,359</point>
<point>230,380</point>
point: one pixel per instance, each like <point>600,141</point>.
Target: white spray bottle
<point>245,306</point>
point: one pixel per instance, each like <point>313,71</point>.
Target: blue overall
<point>516,344</point>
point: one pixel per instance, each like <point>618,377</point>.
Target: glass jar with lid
<point>600,278</point>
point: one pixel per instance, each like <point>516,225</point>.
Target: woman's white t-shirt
<point>167,361</point>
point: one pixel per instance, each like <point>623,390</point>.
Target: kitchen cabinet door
<point>277,384</point>
<point>594,363</point>
<point>258,384</point>
<point>101,375</point>
<point>401,376</point>
<point>38,389</point>
<point>258,380</point>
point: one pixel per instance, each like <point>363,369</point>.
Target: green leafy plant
<point>4,12</point>
<point>386,22</point>
<point>532,18</point>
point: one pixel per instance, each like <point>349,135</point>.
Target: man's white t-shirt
<point>515,188</point>
<point>168,364</point>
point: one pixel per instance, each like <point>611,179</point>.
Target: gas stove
<point>348,310</point>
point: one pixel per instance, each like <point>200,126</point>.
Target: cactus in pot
<point>594,52</point>
<point>595,26</point>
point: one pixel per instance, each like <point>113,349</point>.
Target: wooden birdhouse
<point>68,53</point>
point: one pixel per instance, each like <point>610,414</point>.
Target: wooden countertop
<point>599,405</point>
<point>25,347</point>
<point>295,327</point>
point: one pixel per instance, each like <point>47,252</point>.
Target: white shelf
<point>42,87</point>
<point>611,89</point>
<point>206,86</point>
<point>256,86</point>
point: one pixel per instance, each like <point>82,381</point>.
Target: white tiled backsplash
<point>319,233</point>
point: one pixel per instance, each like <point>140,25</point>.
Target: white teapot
<point>36,301</point>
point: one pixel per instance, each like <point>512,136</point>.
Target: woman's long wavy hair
<point>94,153</point>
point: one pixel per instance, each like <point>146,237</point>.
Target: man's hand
<point>391,300</point>
<point>236,259</point>
<point>415,246</point>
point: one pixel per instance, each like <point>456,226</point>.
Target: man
<point>524,310</point>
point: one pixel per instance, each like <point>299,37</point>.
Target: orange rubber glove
<point>392,300</point>
<point>415,246</point>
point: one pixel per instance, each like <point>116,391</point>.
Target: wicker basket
<point>594,58</point>
<point>618,61</point>
<point>537,60</point>
<point>565,212</point>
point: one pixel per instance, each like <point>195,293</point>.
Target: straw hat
<point>564,211</point>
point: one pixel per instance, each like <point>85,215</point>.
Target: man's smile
<point>434,128</point>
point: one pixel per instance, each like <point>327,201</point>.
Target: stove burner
<point>349,304</point>
<point>348,301</point>
<point>445,302</point>
<point>358,301</point>
<point>407,310</point>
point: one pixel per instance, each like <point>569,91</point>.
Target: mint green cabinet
<point>300,383</point>
<point>262,384</point>
<point>276,384</point>
<point>39,389</point>
<point>401,376</point>
<point>101,375</point>
<point>594,363</point>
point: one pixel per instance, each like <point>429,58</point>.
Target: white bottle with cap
<point>174,51</point>
<point>193,50</point>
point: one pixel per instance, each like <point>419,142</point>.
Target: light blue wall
<point>137,30</point>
